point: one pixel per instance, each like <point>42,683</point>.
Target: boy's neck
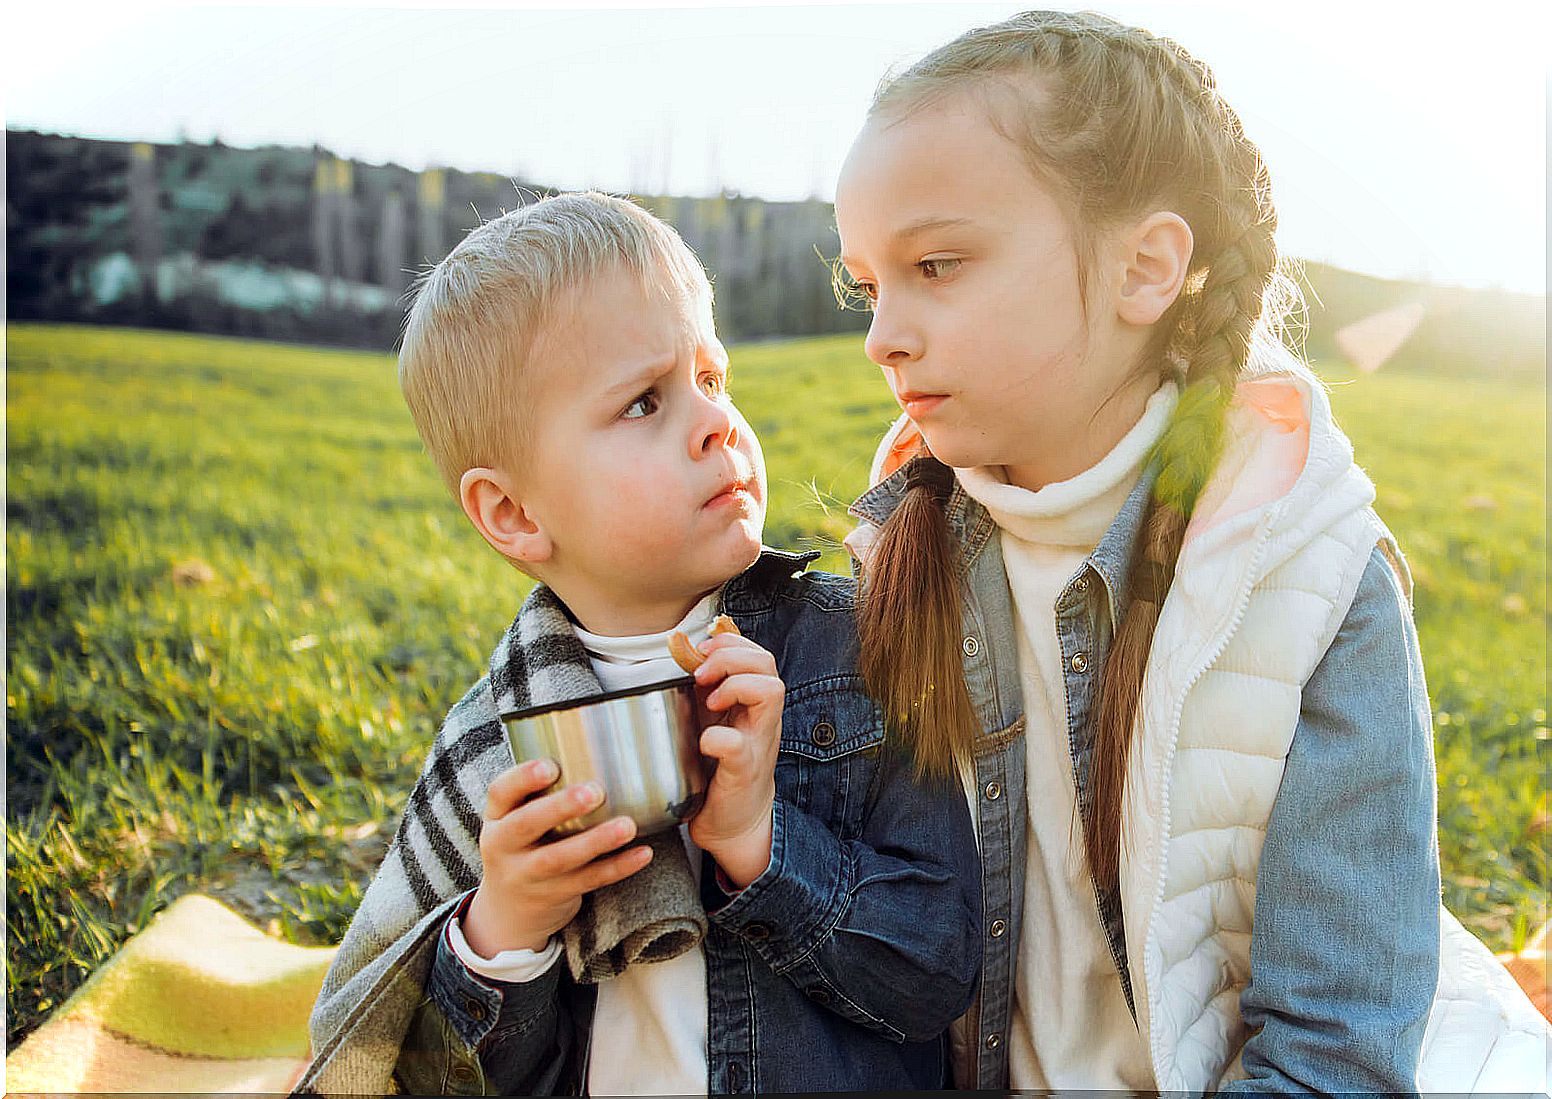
<point>614,619</point>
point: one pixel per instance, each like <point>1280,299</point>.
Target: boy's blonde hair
<point>476,316</point>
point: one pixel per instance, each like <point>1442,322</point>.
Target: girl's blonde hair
<point>470,332</point>
<point>1118,123</point>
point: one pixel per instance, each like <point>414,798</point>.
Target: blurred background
<point>238,600</point>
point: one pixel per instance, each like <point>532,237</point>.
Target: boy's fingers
<point>731,656</point>
<point>551,860</point>
<point>528,823</point>
<point>608,871</point>
<point>516,785</point>
<point>745,689</point>
<point>723,744</point>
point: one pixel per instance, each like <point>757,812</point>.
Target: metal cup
<point>641,744</point>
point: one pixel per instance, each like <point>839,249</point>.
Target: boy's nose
<point>720,428</point>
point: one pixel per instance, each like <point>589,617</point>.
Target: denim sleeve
<point>883,929</point>
<point>1344,954</point>
<point>475,1035</point>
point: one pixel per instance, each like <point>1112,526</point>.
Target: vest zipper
<point>1241,604</point>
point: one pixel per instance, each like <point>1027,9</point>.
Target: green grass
<point>239,601</point>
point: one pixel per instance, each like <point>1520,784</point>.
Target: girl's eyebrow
<point>912,229</point>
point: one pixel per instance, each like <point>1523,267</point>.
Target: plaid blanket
<point>379,975</point>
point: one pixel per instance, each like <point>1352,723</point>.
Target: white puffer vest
<point>1263,582</point>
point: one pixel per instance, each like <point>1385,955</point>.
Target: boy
<point>562,368</point>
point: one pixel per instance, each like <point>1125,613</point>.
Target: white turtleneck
<point>1071,1027</point>
<point>649,1027</point>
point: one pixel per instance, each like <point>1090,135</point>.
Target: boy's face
<point>647,480</point>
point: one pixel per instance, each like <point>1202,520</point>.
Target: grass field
<point>238,602</point>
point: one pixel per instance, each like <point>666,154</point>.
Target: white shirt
<point>649,1028</point>
<point>1071,1027</point>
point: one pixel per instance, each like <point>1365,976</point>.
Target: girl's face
<point>971,268</point>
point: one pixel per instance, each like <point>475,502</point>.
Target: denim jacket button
<point>735,1076</point>
<point>464,1075</point>
<point>999,928</point>
<point>757,931</point>
<point>1080,662</point>
<point>993,791</point>
<point>475,1009</point>
<point>823,735</point>
<point>993,1040</point>
<point>818,995</point>
<point>972,646</point>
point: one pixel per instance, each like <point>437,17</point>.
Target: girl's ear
<point>490,501</point>
<point>1155,257</point>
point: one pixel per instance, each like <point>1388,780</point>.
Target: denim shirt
<point>1345,945</point>
<point>839,968</point>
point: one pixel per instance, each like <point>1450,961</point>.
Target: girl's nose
<point>891,339</point>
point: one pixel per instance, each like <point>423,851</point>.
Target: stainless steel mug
<point>642,744</point>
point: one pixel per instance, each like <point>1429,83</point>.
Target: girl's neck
<point>1089,443</point>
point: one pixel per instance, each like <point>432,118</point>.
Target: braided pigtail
<point>908,624</point>
<point>1220,320</point>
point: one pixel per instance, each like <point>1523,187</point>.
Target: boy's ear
<point>490,501</point>
<point>1155,257</point>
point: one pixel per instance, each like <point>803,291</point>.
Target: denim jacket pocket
<point>831,733</point>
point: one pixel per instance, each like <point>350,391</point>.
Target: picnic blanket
<point>203,1001</point>
<point>199,1001</point>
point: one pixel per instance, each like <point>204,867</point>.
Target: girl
<point>1122,574</point>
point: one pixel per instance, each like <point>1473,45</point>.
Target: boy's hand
<point>532,888</point>
<point>734,825</point>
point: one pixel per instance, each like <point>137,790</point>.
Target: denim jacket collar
<point>972,527</point>
<point>755,589</point>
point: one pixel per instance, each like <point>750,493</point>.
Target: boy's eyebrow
<point>912,229</point>
<point>641,378</point>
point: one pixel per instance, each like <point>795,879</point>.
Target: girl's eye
<point>938,268</point>
<point>647,403</point>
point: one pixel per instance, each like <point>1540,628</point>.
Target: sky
<point>1403,139</point>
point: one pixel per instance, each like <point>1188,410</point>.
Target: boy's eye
<point>938,268</point>
<point>646,403</point>
<point>715,385</point>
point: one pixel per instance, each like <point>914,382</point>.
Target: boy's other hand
<point>734,825</point>
<point>531,887</point>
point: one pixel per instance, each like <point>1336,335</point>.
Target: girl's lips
<point>917,405</point>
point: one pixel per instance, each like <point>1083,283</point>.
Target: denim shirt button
<point>1080,585</point>
<point>1080,662</point>
<point>993,1040</point>
<point>999,928</point>
<point>757,931</point>
<point>972,646</point>
<point>993,791</point>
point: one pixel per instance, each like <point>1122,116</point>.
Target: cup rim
<point>676,683</point>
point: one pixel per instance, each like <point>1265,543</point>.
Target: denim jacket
<point>839,968</point>
<point>1328,1011</point>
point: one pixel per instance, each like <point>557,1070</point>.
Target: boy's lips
<point>732,492</point>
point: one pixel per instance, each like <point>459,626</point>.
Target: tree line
<point>297,243</point>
